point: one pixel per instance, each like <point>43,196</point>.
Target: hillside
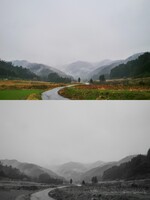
<point>98,171</point>
<point>45,72</point>
<point>29,169</point>
<point>11,173</point>
<point>137,168</point>
<point>71,170</point>
<point>75,170</point>
<point>83,69</point>
<point>8,71</point>
<point>106,69</point>
<point>135,68</point>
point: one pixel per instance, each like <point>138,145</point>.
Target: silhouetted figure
<point>71,181</point>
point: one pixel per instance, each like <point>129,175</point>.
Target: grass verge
<point>105,93</point>
<point>98,193</point>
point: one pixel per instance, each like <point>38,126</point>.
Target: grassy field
<point>13,194</point>
<point>10,190</point>
<point>21,90</point>
<point>111,90</point>
<point>115,191</point>
<point>19,94</point>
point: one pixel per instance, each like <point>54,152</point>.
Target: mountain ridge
<point>40,69</point>
<point>29,169</point>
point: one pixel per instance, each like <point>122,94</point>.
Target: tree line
<point>136,68</point>
<point>137,168</point>
<point>8,172</point>
<point>8,71</point>
<point>11,173</point>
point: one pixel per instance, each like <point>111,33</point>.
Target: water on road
<point>53,94</point>
<point>42,195</point>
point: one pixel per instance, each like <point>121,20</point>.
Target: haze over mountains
<point>40,70</point>
<point>84,70</point>
<point>29,169</point>
<point>87,70</point>
<point>85,171</point>
<point>75,170</point>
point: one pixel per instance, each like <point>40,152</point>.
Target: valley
<point>126,179</point>
<point>127,79</point>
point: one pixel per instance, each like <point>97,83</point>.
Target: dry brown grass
<point>21,84</point>
<point>34,97</point>
<point>114,87</point>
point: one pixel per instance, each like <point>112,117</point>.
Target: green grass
<point>18,94</point>
<point>97,94</point>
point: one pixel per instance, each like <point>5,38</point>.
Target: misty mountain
<point>11,173</point>
<point>83,69</point>
<point>133,68</point>
<point>29,169</point>
<point>133,57</point>
<point>106,69</point>
<point>95,164</point>
<point>40,70</point>
<point>71,170</point>
<point>98,171</point>
<point>8,71</point>
<point>136,168</point>
<point>75,169</point>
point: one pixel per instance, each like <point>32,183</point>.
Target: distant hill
<point>8,71</point>
<point>29,169</point>
<point>45,72</point>
<point>83,69</point>
<point>95,164</point>
<point>106,69</point>
<point>137,168</point>
<point>135,68</point>
<point>98,171</point>
<point>85,171</point>
<point>11,173</point>
<point>71,170</point>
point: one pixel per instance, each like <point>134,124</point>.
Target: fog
<point>56,132</point>
<point>56,32</point>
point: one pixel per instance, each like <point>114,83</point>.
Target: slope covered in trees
<point>135,68</point>
<point>137,168</point>
<point>12,173</point>
<point>7,70</point>
<point>54,77</point>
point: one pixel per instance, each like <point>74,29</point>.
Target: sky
<point>58,32</point>
<point>82,131</point>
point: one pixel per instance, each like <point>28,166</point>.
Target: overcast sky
<point>85,131</point>
<point>57,32</point>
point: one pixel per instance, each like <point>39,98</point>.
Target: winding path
<point>42,195</point>
<point>53,94</point>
